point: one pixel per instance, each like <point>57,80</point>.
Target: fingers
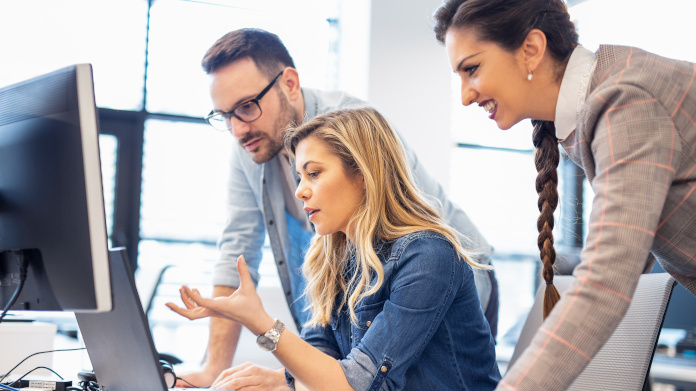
<point>181,311</point>
<point>250,377</point>
<point>185,294</point>
<point>236,369</point>
<point>245,280</point>
<point>191,299</point>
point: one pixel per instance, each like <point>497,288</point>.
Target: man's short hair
<point>266,50</point>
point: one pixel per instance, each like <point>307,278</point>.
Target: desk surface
<point>673,373</point>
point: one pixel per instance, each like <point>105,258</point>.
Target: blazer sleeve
<point>635,151</point>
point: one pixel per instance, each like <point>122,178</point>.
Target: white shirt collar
<point>572,94</point>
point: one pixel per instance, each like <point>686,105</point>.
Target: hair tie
<point>549,282</point>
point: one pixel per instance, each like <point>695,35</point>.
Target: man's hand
<point>248,376</point>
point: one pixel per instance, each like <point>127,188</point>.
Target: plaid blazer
<point>636,141</point>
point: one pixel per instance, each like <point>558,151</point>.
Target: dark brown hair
<point>546,160</point>
<point>507,23</point>
<point>266,50</point>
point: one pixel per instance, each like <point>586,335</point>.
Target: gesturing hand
<point>243,306</point>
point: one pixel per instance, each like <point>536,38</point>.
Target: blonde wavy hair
<point>366,145</point>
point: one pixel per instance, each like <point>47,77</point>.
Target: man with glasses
<point>256,95</point>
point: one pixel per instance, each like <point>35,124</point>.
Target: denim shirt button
<point>383,369</point>
<point>368,323</point>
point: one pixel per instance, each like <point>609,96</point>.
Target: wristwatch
<point>269,340</point>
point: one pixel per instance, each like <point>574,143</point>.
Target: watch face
<point>266,343</point>
<point>269,340</point>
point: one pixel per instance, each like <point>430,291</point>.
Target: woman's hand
<point>243,306</point>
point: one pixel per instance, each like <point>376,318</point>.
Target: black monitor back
<point>45,214</point>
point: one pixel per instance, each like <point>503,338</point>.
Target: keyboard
<point>678,360</point>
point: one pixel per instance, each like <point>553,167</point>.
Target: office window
<point>656,27</point>
<point>184,181</point>
<point>108,148</point>
<point>39,36</point>
<point>152,95</point>
<point>184,166</point>
<point>176,83</point>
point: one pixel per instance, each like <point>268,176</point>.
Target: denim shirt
<point>422,330</point>
<point>256,207</point>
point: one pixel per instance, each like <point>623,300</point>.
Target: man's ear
<point>533,49</point>
<point>290,83</point>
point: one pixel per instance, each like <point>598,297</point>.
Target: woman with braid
<point>628,118</point>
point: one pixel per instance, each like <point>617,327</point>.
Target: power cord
<point>34,354</point>
<point>16,382</point>
<point>85,385</point>
<point>187,382</point>
<point>23,266</point>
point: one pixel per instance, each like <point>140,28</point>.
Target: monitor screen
<point>51,199</point>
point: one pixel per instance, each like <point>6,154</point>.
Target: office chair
<point>623,363</point>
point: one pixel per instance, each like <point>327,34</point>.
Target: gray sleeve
<point>244,231</point>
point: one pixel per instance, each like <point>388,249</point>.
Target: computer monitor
<point>51,197</point>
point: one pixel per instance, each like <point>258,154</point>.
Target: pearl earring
<point>530,75</point>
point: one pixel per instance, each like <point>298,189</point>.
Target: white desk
<point>680,376</point>
<point>21,339</point>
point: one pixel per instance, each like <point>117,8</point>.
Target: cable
<point>34,354</point>
<point>185,381</point>
<point>4,387</point>
<point>84,386</point>
<point>23,265</point>
<point>41,367</point>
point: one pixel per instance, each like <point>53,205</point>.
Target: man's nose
<point>239,128</point>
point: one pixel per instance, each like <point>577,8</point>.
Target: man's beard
<point>286,117</point>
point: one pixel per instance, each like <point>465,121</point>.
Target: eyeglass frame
<point>255,100</point>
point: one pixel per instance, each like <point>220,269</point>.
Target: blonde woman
<point>390,287</point>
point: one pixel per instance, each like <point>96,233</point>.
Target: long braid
<point>546,160</point>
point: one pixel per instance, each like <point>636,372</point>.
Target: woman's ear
<point>533,49</point>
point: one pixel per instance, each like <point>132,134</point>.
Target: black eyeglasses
<point>247,111</point>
